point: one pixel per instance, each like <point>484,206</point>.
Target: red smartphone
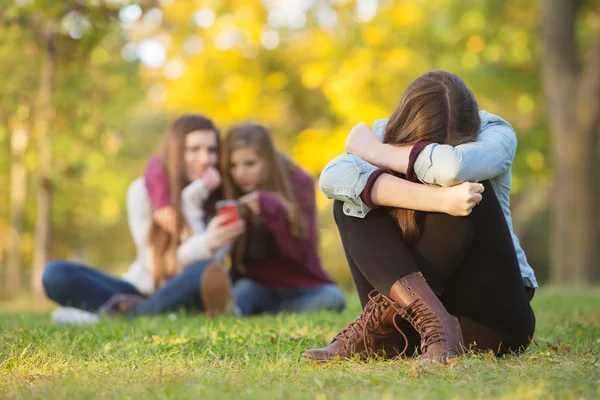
<point>229,208</point>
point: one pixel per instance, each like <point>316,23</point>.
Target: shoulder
<point>137,194</point>
<point>379,127</point>
<point>488,119</point>
<point>137,188</point>
<point>301,177</point>
<point>497,130</point>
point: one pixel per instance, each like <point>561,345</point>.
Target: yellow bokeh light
<point>277,81</point>
<point>525,104</point>
<point>373,35</point>
<point>313,75</point>
<point>110,210</point>
<point>407,14</point>
<point>535,160</point>
<point>476,44</point>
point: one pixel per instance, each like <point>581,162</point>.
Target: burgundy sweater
<point>291,262</point>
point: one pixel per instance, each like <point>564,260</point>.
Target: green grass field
<point>193,357</point>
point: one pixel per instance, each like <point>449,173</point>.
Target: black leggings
<point>470,262</point>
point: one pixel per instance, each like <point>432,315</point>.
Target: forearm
<point>490,156</point>
<point>194,249</point>
<point>391,191</point>
<point>394,158</point>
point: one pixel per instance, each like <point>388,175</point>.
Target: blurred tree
<point>309,70</point>
<point>572,84</point>
<point>61,35</point>
<point>15,110</point>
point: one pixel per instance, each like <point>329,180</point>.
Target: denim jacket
<point>489,158</point>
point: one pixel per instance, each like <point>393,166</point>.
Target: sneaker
<point>73,316</point>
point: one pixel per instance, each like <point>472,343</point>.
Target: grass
<point>193,357</point>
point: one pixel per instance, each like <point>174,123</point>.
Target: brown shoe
<point>215,291</point>
<point>372,334</point>
<point>441,334</point>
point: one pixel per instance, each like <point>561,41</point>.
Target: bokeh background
<point>88,86</point>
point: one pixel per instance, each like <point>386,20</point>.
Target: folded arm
<point>490,156</point>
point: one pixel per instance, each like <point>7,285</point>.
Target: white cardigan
<point>140,214</point>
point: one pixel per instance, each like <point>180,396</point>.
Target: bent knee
<point>246,286</point>
<point>332,298</point>
<point>56,274</point>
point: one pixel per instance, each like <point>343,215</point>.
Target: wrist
<point>393,157</point>
<point>374,153</point>
<point>379,192</point>
<point>367,194</point>
<point>442,200</point>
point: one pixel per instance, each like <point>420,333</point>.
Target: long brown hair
<point>438,107</point>
<point>164,244</point>
<point>276,180</point>
<point>277,172</point>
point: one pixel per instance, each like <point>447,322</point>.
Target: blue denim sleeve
<point>490,156</point>
<point>344,179</point>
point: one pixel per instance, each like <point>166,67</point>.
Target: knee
<point>56,275</point>
<point>192,276</point>
<point>332,298</point>
<point>245,287</point>
<point>249,292</point>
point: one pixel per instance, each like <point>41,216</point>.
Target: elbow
<point>326,180</point>
<point>339,179</point>
<point>451,175</point>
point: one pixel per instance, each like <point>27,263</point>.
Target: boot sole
<point>215,291</point>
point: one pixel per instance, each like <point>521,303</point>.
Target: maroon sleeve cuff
<point>365,195</point>
<point>412,158</point>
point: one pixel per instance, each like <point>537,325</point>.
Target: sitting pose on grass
<point>175,264</point>
<point>276,264</point>
<point>277,259</point>
<point>435,267</point>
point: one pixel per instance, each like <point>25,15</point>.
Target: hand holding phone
<point>226,226</point>
<point>228,208</point>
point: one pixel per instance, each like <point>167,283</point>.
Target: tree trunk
<point>18,193</point>
<point>44,192</point>
<point>573,111</point>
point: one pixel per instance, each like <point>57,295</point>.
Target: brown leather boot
<point>372,334</point>
<point>441,334</point>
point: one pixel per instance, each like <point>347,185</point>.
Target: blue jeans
<point>252,298</point>
<point>73,284</point>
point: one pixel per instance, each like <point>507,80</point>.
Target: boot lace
<point>425,321</point>
<point>374,311</point>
